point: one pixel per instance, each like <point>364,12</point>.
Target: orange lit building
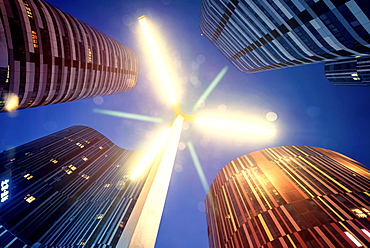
<point>290,196</point>
<point>47,56</point>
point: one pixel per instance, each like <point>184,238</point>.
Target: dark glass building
<point>290,196</point>
<point>260,35</point>
<point>67,189</point>
<point>353,71</point>
<point>48,57</point>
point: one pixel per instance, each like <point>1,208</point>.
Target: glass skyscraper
<point>290,196</point>
<point>260,35</point>
<point>48,57</point>
<point>70,188</point>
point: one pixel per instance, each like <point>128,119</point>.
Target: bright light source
<point>11,102</point>
<point>157,59</point>
<point>129,115</point>
<point>236,126</point>
<point>150,155</point>
<point>354,240</point>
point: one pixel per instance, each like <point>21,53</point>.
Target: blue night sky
<point>311,111</point>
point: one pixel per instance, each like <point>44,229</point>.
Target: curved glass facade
<point>54,57</point>
<point>67,189</point>
<point>263,35</point>
<point>290,196</point>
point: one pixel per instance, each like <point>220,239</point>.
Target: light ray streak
<point>128,115</point>
<point>210,88</point>
<point>198,166</point>
<point>158,62</point>
<point>236,126</point>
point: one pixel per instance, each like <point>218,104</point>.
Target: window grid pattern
<point>290,196</point>
<point>73,200</point>
<point>262,35</point>
<point>55,57</point>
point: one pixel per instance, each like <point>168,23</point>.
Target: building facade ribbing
<point>48,57</point>
<point>263,35</point>
<point>290,196</point>
<point>349,72</point>
<point>70,188</point>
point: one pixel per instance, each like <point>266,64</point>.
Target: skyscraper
<point>353,71</point>
<point>70,188</point>
<point>48,57</point>
<point>290,196</point>
<point>264,35</point>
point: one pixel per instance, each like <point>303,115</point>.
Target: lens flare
<point>129,115</point>
<point>236,126</point>
<point>150,155</point>
<point>11,102</point>
<point>157,59</point>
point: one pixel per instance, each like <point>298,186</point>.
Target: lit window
<point>29,198</point>
<point>100,216</point>
<point>28,10</point>
<point>28,176</point>
<point>80,145</point>
<point>90,55</point>
<point>84,158</point>
<point>353,239</point>
<point>100,147</point>
<point>107,185</point>
<point>85,176</point>
<point>366,232</point>
<point>35,39</point>
<point>362,213</point>
<point>12,160</point>
<point>122,224</point>
<point>54,161</point>
<point>4,193</point>
<point>72,167</point>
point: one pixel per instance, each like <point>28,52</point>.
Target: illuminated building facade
<point>290,196</point>
<point>265,35</point>
<point>353,71</point>
<point>67,189</point>
<point>48,57</point>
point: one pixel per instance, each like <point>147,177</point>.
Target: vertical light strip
<point>291,241</point>
<point>366,232</point>
<point>265,227</point>
<point>339,216</point>
<point>198,166</point>
<point>326,175</point>
<point>229,208</point>
<point>158,62</point>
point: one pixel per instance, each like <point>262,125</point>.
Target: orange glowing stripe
<point>322,235</point>
<point>241,164</point>
<point>261,191</point>
<point>254,191</point>
<point>340,217</point>
<point>281,230</point>
<point>337,207</point>
<point>233,164</point>
<point>332,179</point>
<point>300,150</point>
<point>229,208</point>
<point>292,177</point>
<point>317,178</point>
<point>265,227</point>
<point>292,221</point>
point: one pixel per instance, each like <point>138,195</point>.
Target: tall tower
<point>290,196</point>
<point>265,35</point>
<point>48,57</point>
<point>353,71</point>
<point>70,188</point>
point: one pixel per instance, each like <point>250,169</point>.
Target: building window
<point>84,158</point>
<point>90,55</point>
<point>362,213</point>
<point>28,10</point>
<point>107,185</point>
<point>29,198</point>
<point>85,176</point>
<point>100,216</point>
<point>366,232</point>
<point>28,176</point>
<point>35,39</point>
<point>353,239</point>
<point>54,161</point>
<point>80,145</point>
<point>4,193</point>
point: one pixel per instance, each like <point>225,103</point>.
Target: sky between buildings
<point>311,111</point>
